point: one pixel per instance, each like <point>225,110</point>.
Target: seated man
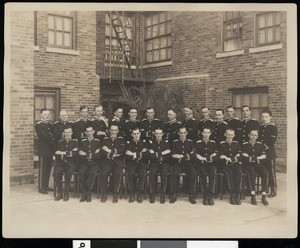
<point>66,156</point>
<point>136,161</point>
<point>112,153</point>
<point>230,164</point>
<point>89,162</point>
<point>183,153</point>
<point>253,158</point>
<point>160,155</point>
<point>206,152</point>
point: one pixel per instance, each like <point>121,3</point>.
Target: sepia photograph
<point>150,120</point>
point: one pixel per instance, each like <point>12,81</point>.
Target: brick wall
<point>21,96</point>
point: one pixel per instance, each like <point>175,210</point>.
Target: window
<point>268,28</point>
<point>61,29</point>
<point>232,31</point>
<point>158,37</point>
<point>256,98</point>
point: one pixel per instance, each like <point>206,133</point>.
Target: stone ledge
<point>22,179</point>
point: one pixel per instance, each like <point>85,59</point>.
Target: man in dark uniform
<point>190,123</point>
<point>234,123</point>
<point>160,155</point>
<point>183,154</point>
<point>253,158</point>
<point>100,123</point>
<point>218,134</point>
<point>268,136</point>
<point>61,125</point>
<point>112,153</point>
<point>230,152</point>
<point>206,121</point>
<point>136,161</point>
<point>66,156</point>
<point>248,123</point>
<point>89,163</point>
<point>80,125</point>
<point>131,124</point>
<point>206,152</point>
<point>149,124</point>
<point>44,130</point>
<point>171,128</point>
<point>117,120</point>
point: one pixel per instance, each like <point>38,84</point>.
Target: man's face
<point>253,135</point>
<point>205,113</point>
<point>230,112</point>
<point>136,135</point>
<point>114,130</point>
<point>246,112</point>
<point>84,113</point>
<point>68,133</point>
<point>171,115</point>
<point>265,118</point>
<point>229,135</point>
<point>206,133</point>
<point>89,132</point>
<point>182,133</point>
<point>99,111</point>
<point>63,116</point>
<point>119,113</point>
<point>132,113</point>
<point>150,113</point>
<point>219,116</point>
<point>158,133</point>
<point>188,112</point>
<point>45,115</point>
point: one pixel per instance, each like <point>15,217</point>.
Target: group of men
<point>91,145</point>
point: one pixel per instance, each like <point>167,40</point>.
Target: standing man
<point>44,130</point>
<point>268,136</point>
<point>149,124</point>
<point>190,123</point>
<point>100,123</point>
<point>230,152</point>
<point>183,154</point>
<point>206,152</point>
<point>171,128</point>
<point>253,158</point>
<point>81,124</point>
<point>132,123</point>
<point>136,161</point>
<point>248,123</point>
<point>61,125</point>
<point>234,123</point>
<point>160,155</point>
<point>112,153</point>
<point>221,126</point>
<point>89,162</point>
<point>66,156</point>
<point>206,121</point>
<point>117,120</point>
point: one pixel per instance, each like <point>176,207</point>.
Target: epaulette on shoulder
<point>144,119</point>
<point>75,140</point>
<point>61,140</point>
<point>156,119</point>
<point>235,118</point>
<point>167,141</point>
<point>97,139</point>
<point>150,141</point>
<point>222,142</point>
<point>188,139</point>
<point>253,119</point>
<point>178,122</point>
<point>234,141</point>
<point>72,122</point>
<point>199,141</point>
<point>225,122</point>
<point>127,121</point>
<point>144,141</point>
<point>84,139</point>
<point>210,119</point>
<point>77,120</point>
<point>258,142</point>
<point>273,124</point>
<point>128,142</point>
<point>120,137</point>
<point>106,138</point>
<point>175,140</point>
<point>56,122</point>
<point>245,143</point>
<point>212,141</point>
<point>39,122</point>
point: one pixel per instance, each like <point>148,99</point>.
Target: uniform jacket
<point>267,136</point>
<point>99,125</point>
<point>205,149</point>
<point>45,143</point>
<point>117,146</point>
<point>186,148</point>
<point>120,123</point>
<point>129,126</point>
<point>219,131</point>
<point>79,128</point>
<point>58,129</point>
<point>90,148</point>
<point>171,130</point>
<point>158,147</point>
<point>137,147</point>
<point>230,149</point>
<point>254,151</point>
<point>191,126</point>
<point>210,123</point>
<point>235,124</point>
<point>148,127</point>
<point>71,148</point>
<point>247,126</point>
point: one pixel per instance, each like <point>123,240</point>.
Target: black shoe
<point>264,200</point>
<point>192,199</point>
<point>49,189</point>
<point>82,198</point>
<point>42,191</point>
<point>162,198</point>
<point>272,194</point>
<point>88,197</point>
<point>58,197</point>
<point>253,200</point>
<point>205,200</point>
<point>103,197</point>
<point>211,200</point>
<point>232,200</point>
<point>152,198</point>
<point>131,198</point>
<point>139,198</point>
<point>237,199</point>
<point>115,197</point>
<point>66,196</point>
<point>173,199</point>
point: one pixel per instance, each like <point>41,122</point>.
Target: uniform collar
<point>206,119</point>
<point>247,119</point>
<point>219,122</point>
<point>131,119</point>
<point>251,142</point>
<point>230,118</point>
<point>182,140</point>
<point>149,119</point>
<point>136,141</point>
<point>190,117</point>
<point>64,122</point>
<point>266,124</point>
<point>205,140</point>
<point>42,120</point>
<point>115,118</point>
<point>68,139</point>
<point>84,119</point>
<point>229,141</point>
<point>158,141</point>
<point>98,118</point>
<point>113,138</point>
<point>91,139</point>
<point>172,121</point>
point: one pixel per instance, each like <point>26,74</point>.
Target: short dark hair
<point>246,106</point>
<point>97,106</point>
<point>158,128</point>
<point>132,108</point>
<point>267,111</point>
<point>189,107</point>
<point>220,110</point>
<point>113,125</point>
<point>136,128</point>
<point>229,129</point>
<point>206,127</point>
<point>44,109</point>
<point>65,128</point>
<point>230,106</point>
<point>83,107</point>
<point>203,107</point>
<point>254,130</point>
<point>88,126</point>
<point>181,127</point>
<point>172,110</point>
<point>117,108</point>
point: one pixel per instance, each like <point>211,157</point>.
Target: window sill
<point>157,64</point>
<point>229,54</point>
<point>36,48</point>
<point>62,51</point>
<point>265,48</point>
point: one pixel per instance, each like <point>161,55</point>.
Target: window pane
<point>163,41</point>
<point>168,27</point>
<point>67,24</point>
<point>51,22</point>
<point>67,39</point>
<point>246,99</point>
<point>51,37</point>
<point>270,19</point>
<point>155,31</point>
<point>149,56</point>
<point>237,101</point>
<point>162,29</point>
<point>169,15</point>
<point>169,55</point>
<point>264,100</point>
<point>163,54</point>
<point>277,18</point>
<point>155,19</point>
<point>148,21</point>
<point>228,30</point>
<point>255,114</point>
<point>107,30</point>
<point>169,41</point>
<point>155,55</point>
<point>50,102</point>
<point>149,32</point>
<point>261,21</point>
<point>155,43</point>
<point>149,45</point>
<point>37,114</point>
<point>59,38</point>
<point>163,17</point>
<point>59,21</point>
<point>270,37</point>
<point>231,45</point>
<point>255,100</point>
<point>261,36</point>
<point>39,102</point>
<point>107,18</point>
<point>129,33</point>
<point>277,33</point>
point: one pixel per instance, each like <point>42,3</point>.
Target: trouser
<point>204,170</point>
<point>134,169</point>
<point>105,170</point>
<point>163,169</point>
<point>57,175</point>
<point>190,170</point>
<point>270,166</point>
<point>87,175</point>
<point>45,165</point>
<point>234,176</point>
<point>251,171</point>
